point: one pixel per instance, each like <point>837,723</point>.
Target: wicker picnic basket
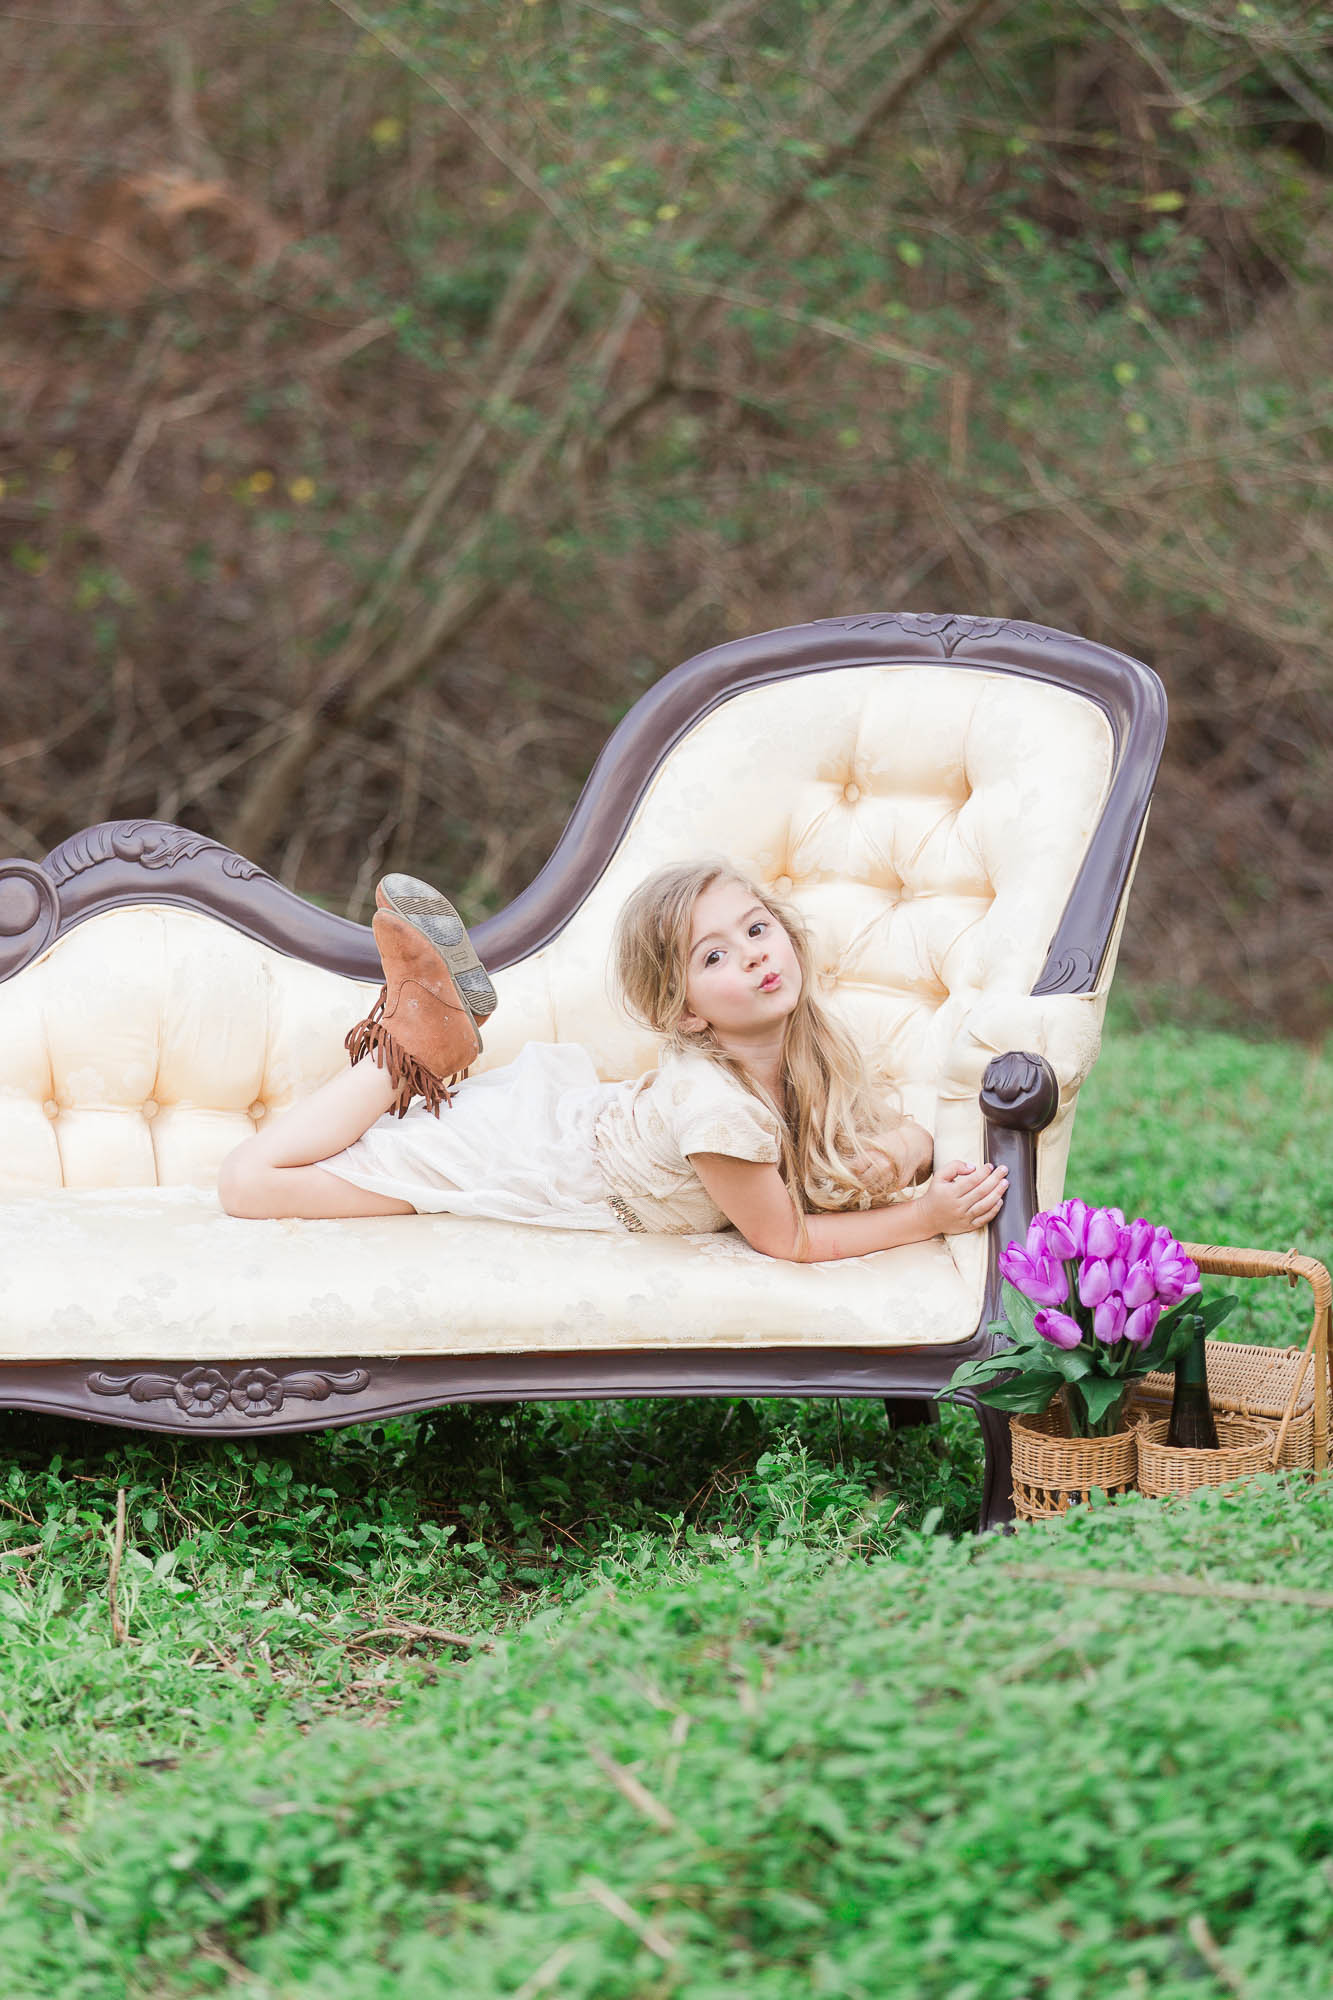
<point>1285,1390</point>
<point>1053,1471</point>
<point>1244,1449</point>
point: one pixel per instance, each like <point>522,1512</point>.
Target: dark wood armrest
<point>1019,1092</point>
<point>1019,1098</point>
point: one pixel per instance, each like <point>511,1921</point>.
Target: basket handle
<point>1219,1261</point>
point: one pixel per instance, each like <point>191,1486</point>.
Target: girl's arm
<point>755,1199</point>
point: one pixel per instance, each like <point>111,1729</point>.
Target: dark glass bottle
<point>1191,1427</point>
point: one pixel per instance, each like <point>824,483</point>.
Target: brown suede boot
<point>421,1030</point>
<point>437,920</point>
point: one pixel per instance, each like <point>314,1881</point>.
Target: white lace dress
<point>544,1140</point>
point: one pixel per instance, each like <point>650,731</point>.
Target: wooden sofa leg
<point>997,1499</point>
<point>905,1413</point>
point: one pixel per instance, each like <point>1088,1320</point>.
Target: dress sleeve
<point>707,1112</point>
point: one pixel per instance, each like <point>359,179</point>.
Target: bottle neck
<point>1192,1367</point>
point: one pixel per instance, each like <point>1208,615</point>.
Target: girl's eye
<point>758,925</point>
<point>711,958</point>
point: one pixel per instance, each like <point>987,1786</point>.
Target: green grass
<point>876,1760</point>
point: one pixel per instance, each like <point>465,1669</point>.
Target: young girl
<point>760,1114</point>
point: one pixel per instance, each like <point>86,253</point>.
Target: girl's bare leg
<point>273,1174</point>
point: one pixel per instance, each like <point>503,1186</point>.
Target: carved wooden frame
<point>138,861</point>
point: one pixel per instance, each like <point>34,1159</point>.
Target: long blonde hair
<point>838,1112</point>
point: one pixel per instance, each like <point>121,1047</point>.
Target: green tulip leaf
<point>1099,1392</point>
<point>1019,1312</point>
<point>1214,1311</point>
<point>1071,1362</point>
<point>1029,1393</point>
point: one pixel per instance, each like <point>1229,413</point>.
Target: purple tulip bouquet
<point>1091,1301</point>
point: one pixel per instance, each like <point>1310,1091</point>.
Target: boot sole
<point>440,924</point>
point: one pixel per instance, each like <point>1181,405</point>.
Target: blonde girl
<point>761,1113</point>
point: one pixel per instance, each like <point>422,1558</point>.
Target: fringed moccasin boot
<point>437,920</point>
<point>423,1028</point>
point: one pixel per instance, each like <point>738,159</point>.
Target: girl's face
<point>742,978</point>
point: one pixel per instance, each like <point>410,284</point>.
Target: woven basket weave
<point>1244,1449</point>
<point>1053,1471</point>
<point>1285,1389</point>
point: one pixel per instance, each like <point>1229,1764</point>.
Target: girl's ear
<point>692,1024</point>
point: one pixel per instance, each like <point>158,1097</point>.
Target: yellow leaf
<point>386,132</point>
<point>301,489</point>
<point>260,482</point>
<point>1164,204</point>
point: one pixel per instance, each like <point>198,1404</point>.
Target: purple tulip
<point>1103,1233</point>
<point>1061,1241</point>
<point>1094,1281</point>
<point>1039,1278</point>
<point>1108,1320</point>
<point>1072,1215</point>
<point>1140,1325</point>
<point>1138,1285</point>
<point>1141,1236</point>
<point>1058,1328</point>
<point>1176,1277</point>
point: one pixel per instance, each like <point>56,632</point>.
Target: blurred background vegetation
<point>391,390</point>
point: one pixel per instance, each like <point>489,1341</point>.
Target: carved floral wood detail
<point>1019,1091</point>
<point>949,629</point>
<point>252,1389</point>
<point>148,842</point>
<point>1072,972</point>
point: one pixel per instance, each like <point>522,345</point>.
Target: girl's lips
<point>769,981</point>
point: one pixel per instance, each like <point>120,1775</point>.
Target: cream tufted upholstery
<point>929,822</point>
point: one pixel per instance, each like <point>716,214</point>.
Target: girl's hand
<point>963,1198</point>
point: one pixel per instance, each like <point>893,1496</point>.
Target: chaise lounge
<point>956,804</point>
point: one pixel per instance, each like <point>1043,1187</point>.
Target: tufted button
<point>851,793</point>
<point>258,1110</point>
<point>782,885</point>
<point>51,1108</point>
<point>150,1107</point>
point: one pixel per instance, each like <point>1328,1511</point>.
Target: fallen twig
<point>646,1932</point>
<point>404,1628</point>
<point>119,1633</point>
<point>1169,1586</point>
<point>629,1787</point>
<point>544,1978</point>
<point>1210,1951</point>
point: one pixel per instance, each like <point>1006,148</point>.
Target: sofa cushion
<point>928,821</point>
<point>162,1273</point>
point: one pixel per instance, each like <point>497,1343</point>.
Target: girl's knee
<point>242,1188</point>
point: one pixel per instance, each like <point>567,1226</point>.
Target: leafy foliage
<point>788,1774</point>
<point>369,455</point>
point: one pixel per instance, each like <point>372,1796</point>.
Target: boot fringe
<point>409,1077</point>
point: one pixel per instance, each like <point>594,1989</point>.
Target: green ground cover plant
<point>686,1698</point>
